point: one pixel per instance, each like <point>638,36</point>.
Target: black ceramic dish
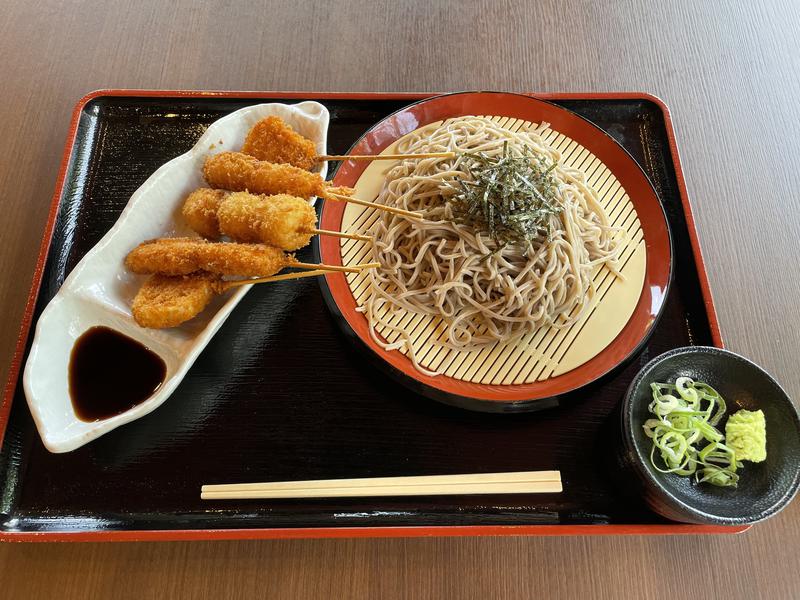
<point>764,488</point>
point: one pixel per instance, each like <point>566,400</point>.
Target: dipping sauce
<point>110,373</point>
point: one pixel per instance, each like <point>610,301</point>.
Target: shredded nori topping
<point>510,196</point>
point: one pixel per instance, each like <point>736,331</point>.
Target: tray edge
<point>330,532</point>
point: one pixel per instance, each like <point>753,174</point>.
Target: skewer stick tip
<point>341,234</point>
<point>412,156</point>
<point>391,209</point>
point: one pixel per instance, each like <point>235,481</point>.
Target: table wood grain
<point>730,72</point>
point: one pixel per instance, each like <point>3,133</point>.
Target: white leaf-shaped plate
<point>99,290</point>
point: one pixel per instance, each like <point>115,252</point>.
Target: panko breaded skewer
<point>282,220</point>
<point>239,172</point>
<point>286,222</point>
<point>182,256</point>
<point>274,140</point>
<point>167,301</point>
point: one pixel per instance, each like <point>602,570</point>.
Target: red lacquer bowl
<point>526,396</point>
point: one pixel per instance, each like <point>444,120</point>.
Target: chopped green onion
<point>687,413</point>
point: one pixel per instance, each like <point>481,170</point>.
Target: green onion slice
<point>686,414</point>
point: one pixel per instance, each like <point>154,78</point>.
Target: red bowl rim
<point>526,396</point>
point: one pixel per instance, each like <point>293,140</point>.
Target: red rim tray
<point>30,510</point>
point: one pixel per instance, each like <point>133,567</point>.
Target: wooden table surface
<point>730,72</point>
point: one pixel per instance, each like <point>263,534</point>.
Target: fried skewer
<point>283,221</point>
<point>274,140</point>
<point>168,300</point>
<point>240,172</point>
<point>182,256</point>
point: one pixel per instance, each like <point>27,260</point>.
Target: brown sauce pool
<point>110,373</point>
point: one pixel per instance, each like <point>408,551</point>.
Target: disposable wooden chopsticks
<point>520,482</point>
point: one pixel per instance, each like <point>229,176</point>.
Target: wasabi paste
<point>746,433</point>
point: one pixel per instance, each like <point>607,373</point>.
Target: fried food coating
<point>239,172</point>
<point>283,221</point>
<point>165,301</point>
<point>181,256</point>
<point>200,211</point>
<point>272,139</point>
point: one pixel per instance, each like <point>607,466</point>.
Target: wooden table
<point>729,73</point>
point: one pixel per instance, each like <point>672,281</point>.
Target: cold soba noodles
<point>509,241</point>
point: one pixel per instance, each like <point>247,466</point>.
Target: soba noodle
<point>482,291</point>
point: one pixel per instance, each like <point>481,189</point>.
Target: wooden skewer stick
<point>385,156</point>
<point>341,234</point>
<point>391,209</point>
<point>224,286</point>
<point>353,269</point>
<point>314,266</point>
<point>526,482</point>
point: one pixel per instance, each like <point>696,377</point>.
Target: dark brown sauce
<point>110,373</point>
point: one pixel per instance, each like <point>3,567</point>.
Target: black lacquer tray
<point>279,394</point>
